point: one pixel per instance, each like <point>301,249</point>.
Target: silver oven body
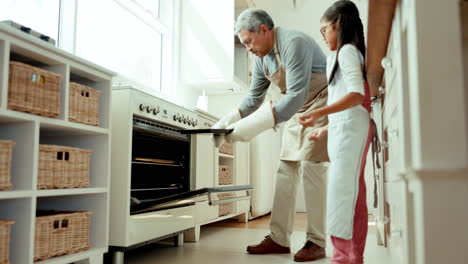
<point>153,193</point>
<point>150,160</point>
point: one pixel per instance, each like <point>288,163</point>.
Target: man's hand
<point>224,122</point>
<point>252,125</point>
<point>228,119</point>
<point>316,134</point>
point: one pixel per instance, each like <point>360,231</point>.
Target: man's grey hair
<point>251,19</point>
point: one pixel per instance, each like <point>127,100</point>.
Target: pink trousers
<point>351,251</point>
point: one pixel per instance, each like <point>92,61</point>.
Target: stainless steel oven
<point>151,196</point>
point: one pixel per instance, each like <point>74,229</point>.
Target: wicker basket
<point>5,227</point>
<point>61,232</point>
<point>33,90</point>
<point>225,175</point>
<point>226,148</point>
<point>6,149</point>
<point>226,208</point>
<point>63,167</point>
<point>84,104</point>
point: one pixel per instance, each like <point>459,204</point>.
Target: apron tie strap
<point>376,149</point>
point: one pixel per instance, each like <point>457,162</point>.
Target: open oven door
<point>214,196</point>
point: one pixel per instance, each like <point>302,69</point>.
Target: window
<point>39,15</point>
<point>119,40</point>
<point>133,38</point>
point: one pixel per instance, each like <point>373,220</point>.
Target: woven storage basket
<point>226,148</point>
<point>6,150</point>
<point>63,167</point>
<point>33,90</point>
<point>5,227</point>
<point>84,104</point>
<point>225,175</point>
<point>61,232</point>
<point>226,208</point>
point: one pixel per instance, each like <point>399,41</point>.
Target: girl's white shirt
<point>348,79</point>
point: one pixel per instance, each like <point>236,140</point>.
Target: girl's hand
<point>316,134</point>
<point>310,118</point>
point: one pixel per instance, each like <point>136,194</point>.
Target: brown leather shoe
<point>309,252</point>
<point>268,246</point>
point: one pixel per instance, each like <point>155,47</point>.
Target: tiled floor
<point>227,245</point>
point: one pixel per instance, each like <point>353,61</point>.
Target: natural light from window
<point>118,40</point>
<point>39,15</point>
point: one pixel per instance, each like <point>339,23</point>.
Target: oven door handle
<point>227,200</point>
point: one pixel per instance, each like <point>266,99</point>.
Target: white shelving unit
<point>28,131</point>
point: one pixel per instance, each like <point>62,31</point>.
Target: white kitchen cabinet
<point>388,216</point>
<point>390,113</point>
<point>28,131</point>
<point>210,59</point>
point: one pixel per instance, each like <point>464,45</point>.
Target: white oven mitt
<point>252,125</point>
<point>228,119</point>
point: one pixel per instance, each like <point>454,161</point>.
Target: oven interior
<point>160,161</point>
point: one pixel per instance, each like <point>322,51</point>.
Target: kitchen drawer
<point>394,198</point>
<point>242,206</point>
<point>391,61</point>
<point>392,149</point>
<point>205,212</point>
<point>147,226</point>
<point>390,104</point>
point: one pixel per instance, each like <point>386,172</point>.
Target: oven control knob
<point>175,118</point>
<point>155,110</point>
<point>196,123</point>
<point>149,109</point>
<point>142,107</point>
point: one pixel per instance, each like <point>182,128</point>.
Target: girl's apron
<point>347,135</point>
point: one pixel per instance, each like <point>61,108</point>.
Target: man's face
<point>259,43</point>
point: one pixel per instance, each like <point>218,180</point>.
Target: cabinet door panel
<point>204,161</point>
<point>242,170</point>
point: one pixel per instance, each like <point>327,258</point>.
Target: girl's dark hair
<point>350,29</point>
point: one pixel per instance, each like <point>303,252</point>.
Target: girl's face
<point>330,34</point>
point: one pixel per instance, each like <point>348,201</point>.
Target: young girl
<point>348,131</point>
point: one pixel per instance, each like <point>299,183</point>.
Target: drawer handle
<point>386,63</point>
<point>385,220</point>
<point>395,233</point>
<point>381,90</point>
<point>384,144</point>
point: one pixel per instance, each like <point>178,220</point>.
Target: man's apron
<point>296,145</point>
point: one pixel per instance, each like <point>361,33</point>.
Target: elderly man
<point>294,63</point>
